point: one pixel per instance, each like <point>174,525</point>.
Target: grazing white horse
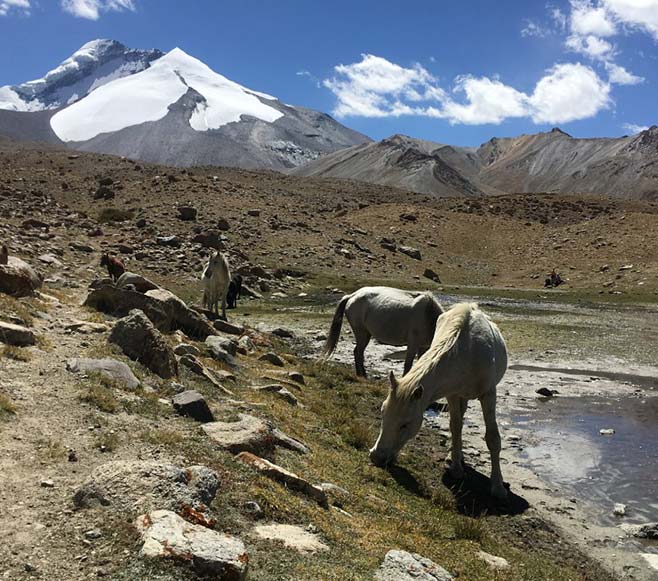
<point>467,360</point>
<point>390,315</point>
<point>215,279</point>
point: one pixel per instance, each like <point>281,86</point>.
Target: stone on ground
<point>16,335</point>
<point>404,566</point>
<point>273,358</point>
<point>497,563</point>
<point>18,278</point>
<point>141,283</point>
<point>219,347</point>
<point>191,403</point>
<point>86,327</point>
<point>251,434</point>
<point>288,479</point>
<point>226,327</point>
<point>146,485</point>
<point>111,368</point>
<point>279,390</point>
<point>410,252</point>
<point>187,349</point>
<point>292,536</point>
<point>167,535</point>
<point>140,340</point>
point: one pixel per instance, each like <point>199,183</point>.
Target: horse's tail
<point>336,324</point>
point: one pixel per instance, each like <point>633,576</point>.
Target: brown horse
<point>115,267</point>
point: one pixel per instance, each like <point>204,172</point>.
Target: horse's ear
<point>394,382</point>
<point>418,393</point>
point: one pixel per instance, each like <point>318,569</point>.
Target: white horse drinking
<point>392,316</point>
<point>467,360</point>
<point>215,279</point>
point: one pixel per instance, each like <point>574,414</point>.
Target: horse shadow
<point>473,497</point>
<point>407,480</point>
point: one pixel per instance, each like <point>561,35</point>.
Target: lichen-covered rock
<point>251,434</point>
<point>404,566</point>
<point>146,485</point>
<point>166,535</point>
<point>140,340</point>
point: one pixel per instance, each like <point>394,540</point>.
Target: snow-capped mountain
<point>166,108</point>
<point>98,62</point>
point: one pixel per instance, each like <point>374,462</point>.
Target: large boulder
<point>16,335</point>
<point>192,404</point>
<point>111,368</point>
<point>139,282</point>
<point>140,340</point>
<point>133,486</point>
<point>404,566</point>
<point>18,278</point>
<point>216,555</point>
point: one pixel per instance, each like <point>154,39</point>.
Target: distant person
<point>4,255</point>
<point>553,280</point>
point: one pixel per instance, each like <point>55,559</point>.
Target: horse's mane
<point>451,324</point>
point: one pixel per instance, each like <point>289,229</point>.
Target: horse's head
<point>105,259</point>
<point>215,263</point>
<point>402,416</point>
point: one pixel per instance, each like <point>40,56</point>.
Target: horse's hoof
<point>500,493</point>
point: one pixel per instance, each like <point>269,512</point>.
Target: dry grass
<point>162,437</point>
<point>100,397</point>
<point>109,215</point>
<point>16,353</point>
<point>107,442</point>
<point>7,407</point>
<point>19,308</point>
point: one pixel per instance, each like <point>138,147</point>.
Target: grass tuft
<point>16,353</point>
<point>7,407</point>
<point>101,397</point>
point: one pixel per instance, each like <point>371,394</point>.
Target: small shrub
<point>101,397</point>
<point>16,353</point>
<point>162,437</point>
<point>444,499</point>
<point>50,450</point>
<point>109,215</point>
<point>470,529</point>
<point>7,407</point>
<point>107,442</point>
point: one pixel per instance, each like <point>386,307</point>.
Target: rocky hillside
<point>165,108</point>
<point>553,162</point>
<point>144,439</point>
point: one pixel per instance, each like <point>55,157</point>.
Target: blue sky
<point>452,72</point>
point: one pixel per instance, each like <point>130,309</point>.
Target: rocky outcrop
<point>141,485</point>
<point>167,536</point>
<point>165,310</point>
<point>292,536</point>
<point>140,340</point>
<point>111,368</point>
<point>192,404</point>
<point>18,278</point>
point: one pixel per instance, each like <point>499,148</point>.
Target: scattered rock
<point>246,344</point>
<point>140,340</point>
<point>226,327</point>
<point>626,267</point>
<point>16,335</point>
<point>251,434</point>
<point>110,368</point>
<point>86,327</point>
<point>166,535</point>
<point>145,485</point>
<point>607,431</point>
<point>279,390</point>
<point>429,273</point>
<point>47,484</point>
<point>272,358</point>
<point>172,241</point>
<point>545,392</point>
<point>18,278</point>
<point>497,563</point>
<point>209,239</point>
<point>283,333</point>
<point>191,403</point>
<point>289,479</point>
<point>187,349</point>
<point>50,259</point>
<point>404,566</point>
<point>297,377</point>
<point>217,347</point>
<point>187,213</point>
<point>619,509</point>
<point>139,282</point>
<point>292,536</point>
<point>410,252</point>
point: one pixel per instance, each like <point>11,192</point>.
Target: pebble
<point>619,509</point>
<point>47,484</point>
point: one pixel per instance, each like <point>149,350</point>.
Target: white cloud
<point>641,14</point>
<point>558,17</point>
<point>376,87</point>
<point>633,129</point>
<point>531,28</point>
<point>487,101</point>
<point>91,9</point>
<point>569,92</point>
<point>591,46</point>
<point>19,5</point>
<point>618,75</point>
<point>587,19</point>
